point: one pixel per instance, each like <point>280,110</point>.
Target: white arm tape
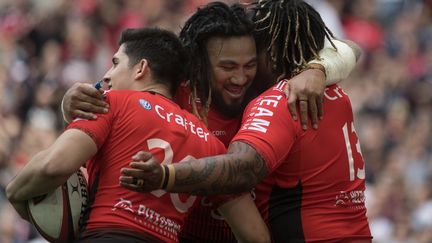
<point>337,63</point>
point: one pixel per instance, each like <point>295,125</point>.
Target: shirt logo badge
<point>145,104</point>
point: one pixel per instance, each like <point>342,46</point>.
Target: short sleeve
<point>98,129</point>
<point>268,127</point>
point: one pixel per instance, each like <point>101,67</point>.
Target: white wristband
<point>337,63</point>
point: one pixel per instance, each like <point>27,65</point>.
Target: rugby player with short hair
<point>146,70</point>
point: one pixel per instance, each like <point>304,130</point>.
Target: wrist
<point>316,66</point>
<point>168,177</point>
<point>171,178</point>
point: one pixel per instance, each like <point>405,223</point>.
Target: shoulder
<point>277,89</point>
<point>127,95</point>
<point>273,96</point>
<point>336,96</point>
<point>119,94</point>
<point>280,86</point>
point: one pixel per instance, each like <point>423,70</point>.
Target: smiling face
<point>120,75</point>
<point>233,63</point>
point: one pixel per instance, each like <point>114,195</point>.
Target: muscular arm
<point>50,168</point>
<point>238,171</point>
<point>244,220</point>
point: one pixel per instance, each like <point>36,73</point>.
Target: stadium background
<point>47,45</point>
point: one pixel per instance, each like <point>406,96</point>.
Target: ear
<point>142,68</point>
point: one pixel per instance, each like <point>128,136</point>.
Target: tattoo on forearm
<point>238,171</point>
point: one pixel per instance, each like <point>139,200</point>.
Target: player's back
<point>315,190</point>
<point>148,122</point>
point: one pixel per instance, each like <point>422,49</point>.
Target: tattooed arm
<point>237,171</point>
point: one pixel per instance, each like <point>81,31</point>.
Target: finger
<point>320,108</point>
<point>83,115</point>
<point>139,182</point>
<point>293,110</point>
<point>127,179</point>
<point>142,156</point>
<point>304,113</point>
<point>287,90</point>
<point>91,91</point>
<point>138,173</point>
<point>82,97</point>
<point>130,186</point>
<point>313,112</point>
<point>292,101</point>
<point>142,166</point>
<point>90,107</point>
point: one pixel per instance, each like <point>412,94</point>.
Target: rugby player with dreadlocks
<point>309,185</point>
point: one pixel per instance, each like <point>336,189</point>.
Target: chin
<point>231,109</point>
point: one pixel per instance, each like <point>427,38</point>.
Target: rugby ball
<point>57,214</point>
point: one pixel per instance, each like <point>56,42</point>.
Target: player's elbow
<point>11,193</point>
<point>263,239</point>
<point>14,192</point>
<point>355,48</point>
<point>257,238</point>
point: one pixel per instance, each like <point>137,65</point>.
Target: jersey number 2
<point>181,206</point>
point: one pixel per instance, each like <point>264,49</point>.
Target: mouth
<point>235,91</point>
<point>108,84</point>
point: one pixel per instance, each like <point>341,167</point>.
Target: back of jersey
<point>148,122</point>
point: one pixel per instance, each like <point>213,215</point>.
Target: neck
<point>157,88</point>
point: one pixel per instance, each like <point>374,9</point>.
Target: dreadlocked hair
<point>216,19</point>
<point>292,32</point>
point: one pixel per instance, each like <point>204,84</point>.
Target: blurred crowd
<point>47,45</point>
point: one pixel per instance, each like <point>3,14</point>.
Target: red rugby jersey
<point>224,128</point>
<point>150,122</point>
<point>205,224</point>
<point>315,187</point>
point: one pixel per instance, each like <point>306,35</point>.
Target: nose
<point>106,77</point>
<point>239,78</point>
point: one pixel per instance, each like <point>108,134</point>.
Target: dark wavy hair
<point>215,19</point>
